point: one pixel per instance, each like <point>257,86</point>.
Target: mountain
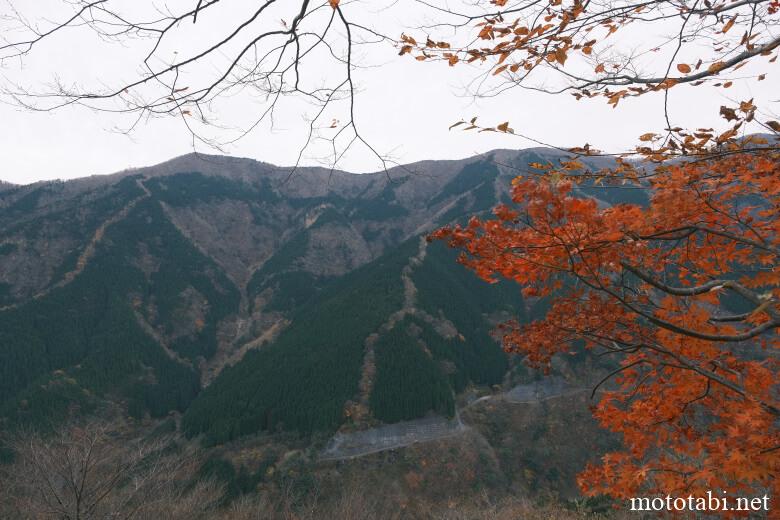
<point>248,297</point>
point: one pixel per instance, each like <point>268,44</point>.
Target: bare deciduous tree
<point>93,471</point>
<point>268,51</point>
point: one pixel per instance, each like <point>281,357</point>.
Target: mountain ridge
<point>203,263</point>
<point>175,165</point>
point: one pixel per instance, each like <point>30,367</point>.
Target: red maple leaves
<point>695,396</point>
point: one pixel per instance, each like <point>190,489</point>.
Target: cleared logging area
<point>391,436</point>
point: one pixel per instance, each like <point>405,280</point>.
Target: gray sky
<point>403,108</point>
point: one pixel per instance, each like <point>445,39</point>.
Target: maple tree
<point>684,291</point>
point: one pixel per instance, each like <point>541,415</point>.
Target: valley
<point>256,315</point>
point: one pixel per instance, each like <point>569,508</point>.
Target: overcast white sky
<point>403,108</point>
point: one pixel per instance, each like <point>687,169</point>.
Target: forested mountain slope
<point>315,289</point>
<point>372,346</point>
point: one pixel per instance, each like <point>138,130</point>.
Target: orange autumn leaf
<point>560,56</point>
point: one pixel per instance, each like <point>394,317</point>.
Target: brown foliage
<point>95,471</point>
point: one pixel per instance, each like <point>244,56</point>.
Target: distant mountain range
<point>248,299</point>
